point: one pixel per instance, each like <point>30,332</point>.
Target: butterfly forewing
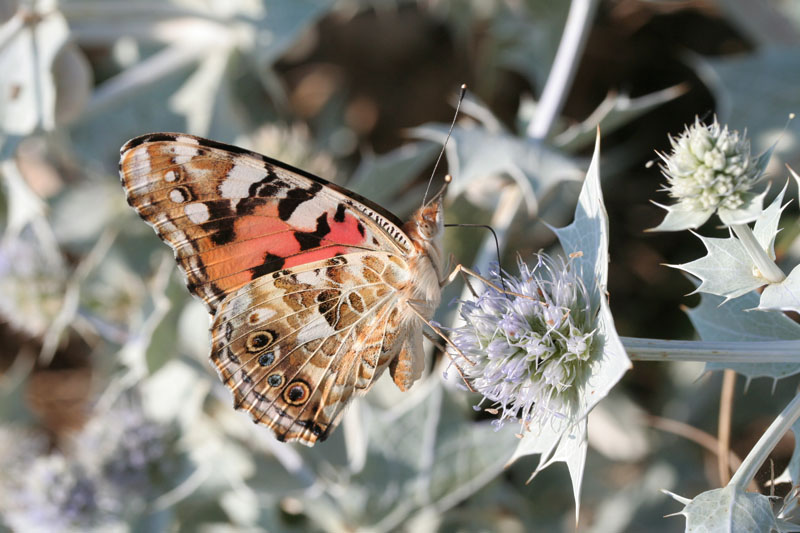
<point>232,215</point>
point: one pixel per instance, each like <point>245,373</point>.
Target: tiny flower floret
<point>710,167</point>
<point>528,345</point>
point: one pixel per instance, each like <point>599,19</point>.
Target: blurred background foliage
<point>111,417</point>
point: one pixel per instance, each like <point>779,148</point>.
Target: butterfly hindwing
<point>232,215</point>
<point>295,346</point>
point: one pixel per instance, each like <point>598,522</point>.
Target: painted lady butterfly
<point>313,290</point>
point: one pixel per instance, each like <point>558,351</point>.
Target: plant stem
<point>570,50</point>
<point>724,425</point>
<point>761,352</point>
<point>764,263</point>
<point>766,444</point>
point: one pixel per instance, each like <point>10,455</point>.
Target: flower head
<point>130,452</point>
<point>52,493</point>
<point>102,478</point>
<point>528,347</point>
<point>710,167</point>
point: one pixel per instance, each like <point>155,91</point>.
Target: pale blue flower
<point>530,345</point>
<point>104,475</point>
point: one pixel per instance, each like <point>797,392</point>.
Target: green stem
<point>764,263</point>
<point>766,444</point>
<point>761,352</point>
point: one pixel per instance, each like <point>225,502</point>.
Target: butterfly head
<point>426,226</point>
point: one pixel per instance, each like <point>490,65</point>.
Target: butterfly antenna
<point>496,244</point>
<point>450,131</point>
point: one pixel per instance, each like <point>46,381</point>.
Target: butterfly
<point>313,290</point>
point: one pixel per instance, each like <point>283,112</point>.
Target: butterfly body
<point>313,290</point>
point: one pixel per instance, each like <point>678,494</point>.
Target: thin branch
<point>724,425</point>
<point>774,433</point>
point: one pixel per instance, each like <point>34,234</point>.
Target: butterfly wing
<point>232,215</point>
<point>296,345</point>
<point>306,281</point>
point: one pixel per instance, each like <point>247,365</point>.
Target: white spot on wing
<point>316,329</point>
<point>305,217</point>
<point>139,167</point>
<point>261,315</point>
<point>176,196</point>
<point>169,176</point>
<point>193,263</point>
<point>238,181</point>
<point>197,212</point>
<point>183,154</point>
<point>169,231</point>
<point>185,139</point>
<point>238,303</point>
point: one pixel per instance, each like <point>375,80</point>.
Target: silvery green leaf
<point>614,111</point>
<point>619,508</point>
<point>762,24</point>
<point>527,36</point>
<point>753,205</point>
<point>99,135</point>
<point>728,269</point>
<point>175,392</point>
<point>586,241</point>
<point>82,212</point>
<point>247,509</point>
<point>24,205</point>
<point>588,233</point>
<point>681,216</point>
<point>428,454</point>
<point>467,455</point>
<point>766,226</point>
<point>193,326</point>
<point>381,178</point>
<point>188,85</point>
<point>761,108</point>
<point>729,510</point>
<point>783,296</point>
<point>206,99</point>
<point>617,431</point>
<point>475,153</point>
<point>281,23</point>
<point>735,321</point>
<point>27,55</point>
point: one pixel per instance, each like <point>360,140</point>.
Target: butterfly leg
<point>412,305</point>
<point>435,341</point>
<point>461,269</point>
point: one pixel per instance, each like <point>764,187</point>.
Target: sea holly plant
<point>705,161</point>
<point>541,347</point>
<point>709,171</point>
